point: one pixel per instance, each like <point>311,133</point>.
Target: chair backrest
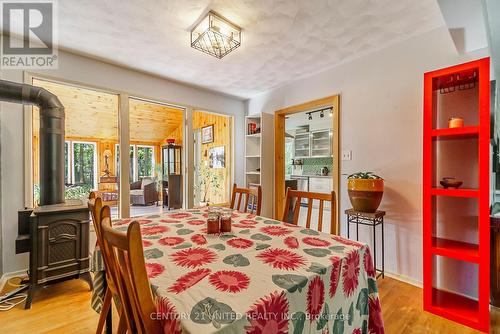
<point>128,269</point>
<point>95,205</point>
<point>253,196</point>
<point>321,197</point>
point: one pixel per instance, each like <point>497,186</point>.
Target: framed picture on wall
<point>217,158</point>
<point>207,134</point>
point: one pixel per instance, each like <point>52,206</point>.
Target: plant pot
<point>365,194</point>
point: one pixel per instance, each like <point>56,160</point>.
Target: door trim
<point>279,149</point>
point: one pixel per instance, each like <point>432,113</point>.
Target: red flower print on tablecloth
<point>375,321</point>
<point>121,222</point>
<point>169,221</point>
<point>171,241</point>
<point>368,263</point>
<point>196,222</point>
<point>193,257</point>
<point>242,226</point>
<point>275,230</point>
<point>240,243</point>
<point>248,222</point>
<point>168,316</point>
<point>199,239</point>
<point>335,277</point>
<point>350,273</point>
<point>229,281</point>
<point>269,315</point>
<point>281,258</point>
<point>316,242</point>
<point>188,280</point>
<point>347,242</point>
<point>251,216</point>
<point>356,331</point>
<point>146,243</point>
<point>291,242</point>
<point>179,215</point>
<point>315,298</point>
<point>154,269</point>
<point>152,230</point>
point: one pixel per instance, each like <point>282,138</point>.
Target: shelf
<point>255,135</point>
<point>252,173</point>
<point>455,307</point>
<point>456,133</point>
<point>463,192</point>
<point>252,156</point>
<point>455,249</point>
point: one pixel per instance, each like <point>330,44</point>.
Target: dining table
<point>264,276</point>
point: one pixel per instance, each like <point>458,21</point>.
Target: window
<point>145,161</point>
<point>142,161</point>
<point>80,164</point>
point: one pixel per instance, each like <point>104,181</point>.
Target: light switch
<point>346,155</point>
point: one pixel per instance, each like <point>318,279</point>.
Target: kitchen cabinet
<point>302,145</point>
<point>321,143</point>
<point>321,185</point>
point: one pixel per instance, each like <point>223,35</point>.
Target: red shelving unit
<point>443,90</point>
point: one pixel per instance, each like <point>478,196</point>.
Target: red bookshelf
<point>451,217</point>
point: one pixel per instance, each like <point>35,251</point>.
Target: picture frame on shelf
<point>207,134</point>
<point>217,158</point>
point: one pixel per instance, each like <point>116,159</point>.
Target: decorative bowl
<point>450,182</point>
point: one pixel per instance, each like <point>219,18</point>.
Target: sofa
<point>144,192</point>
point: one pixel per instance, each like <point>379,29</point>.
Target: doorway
<point>285,146</point>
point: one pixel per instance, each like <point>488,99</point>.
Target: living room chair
<point>144,192</point>
<point>296,197</point>
<point>254,194</point>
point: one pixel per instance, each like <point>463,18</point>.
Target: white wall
<point>381,122</point>
<point>95,73</point>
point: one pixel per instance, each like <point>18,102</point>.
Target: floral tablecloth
<point>264,276</point>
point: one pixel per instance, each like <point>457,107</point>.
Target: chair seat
<point>136,192</point>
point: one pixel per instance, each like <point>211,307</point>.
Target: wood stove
<point>57,232</point>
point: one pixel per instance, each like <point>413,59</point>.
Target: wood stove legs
<point>86,277</point>
<point>34,287</point>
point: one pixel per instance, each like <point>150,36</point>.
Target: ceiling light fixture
<point>215,35</point>
<point>321,114</point>
<point>310,117</point>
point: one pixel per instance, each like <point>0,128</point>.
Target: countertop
<point>311,175</point>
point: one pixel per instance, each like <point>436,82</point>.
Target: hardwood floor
<point>65,308</point>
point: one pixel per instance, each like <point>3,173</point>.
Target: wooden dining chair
<point>254,194</point>
<point>128,268</point>
<point>294,199</point>
<point>95,207</point>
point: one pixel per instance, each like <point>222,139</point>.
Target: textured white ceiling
<point>282,40</point>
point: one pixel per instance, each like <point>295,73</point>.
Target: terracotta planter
<point>365,194</point>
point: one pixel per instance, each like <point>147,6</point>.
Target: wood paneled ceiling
<point>93,114</point>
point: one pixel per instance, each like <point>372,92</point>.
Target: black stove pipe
<point>51,136</point>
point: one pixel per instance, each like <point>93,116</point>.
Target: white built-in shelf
<point>255,135</point>
<point>259,155</point>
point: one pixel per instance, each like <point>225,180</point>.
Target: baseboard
<point>404,279</point>
<point>5,277</point>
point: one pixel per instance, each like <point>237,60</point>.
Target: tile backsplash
<point>313,165</point>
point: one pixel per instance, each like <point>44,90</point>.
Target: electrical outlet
<point>346,155</point>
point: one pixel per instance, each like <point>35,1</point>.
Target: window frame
<point>135,167</point>
<point>71,162</point>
